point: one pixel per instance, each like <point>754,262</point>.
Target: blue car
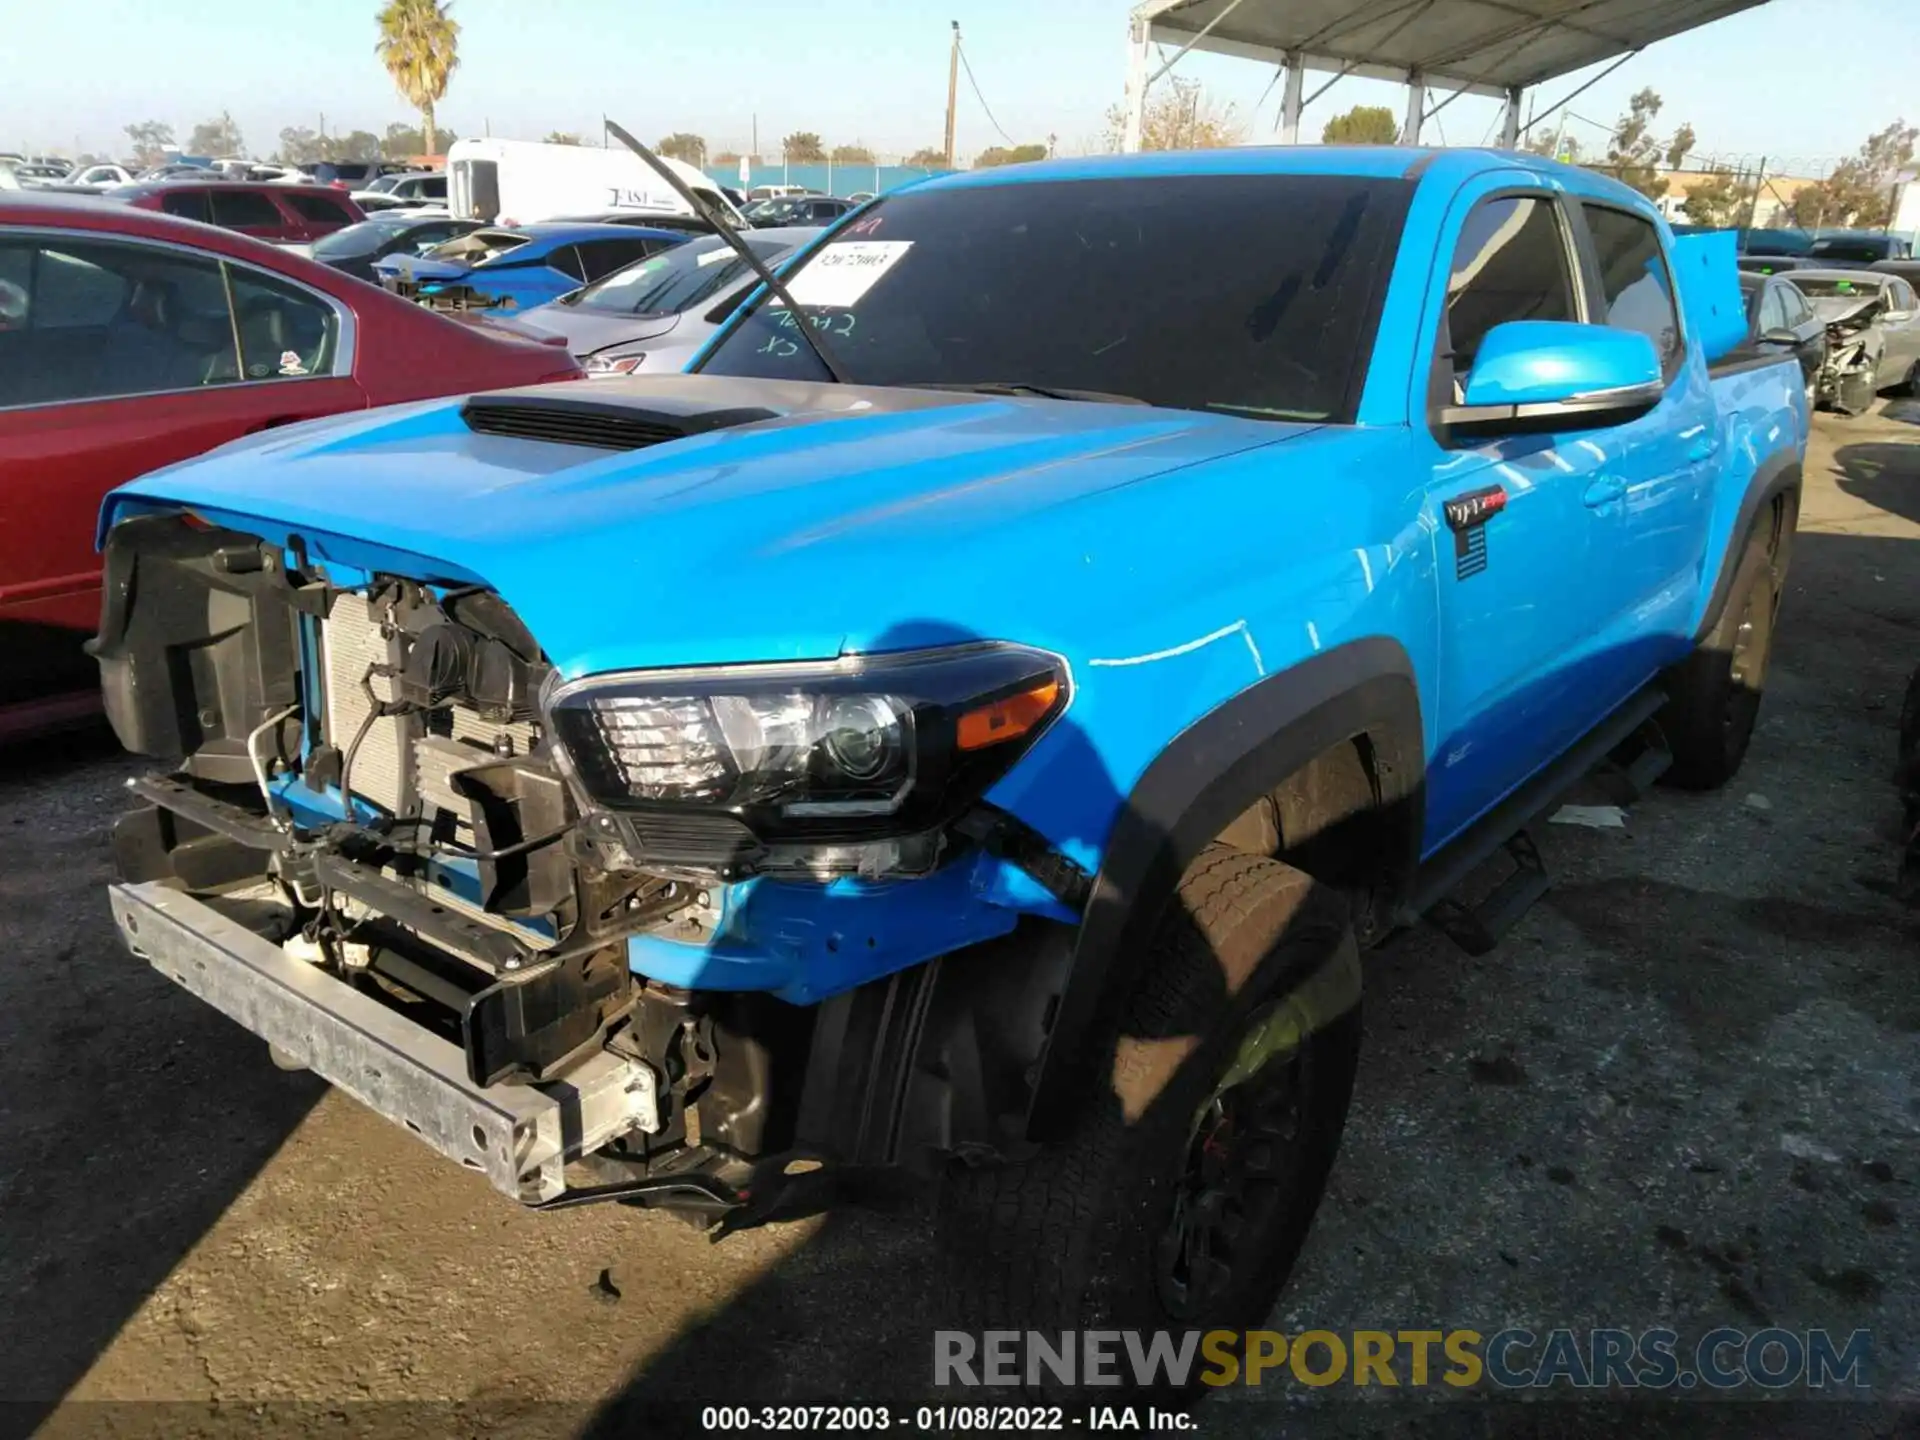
<point>975,725</point>
<point>502,271</point>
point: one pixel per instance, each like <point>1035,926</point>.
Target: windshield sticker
<point>840,274</point>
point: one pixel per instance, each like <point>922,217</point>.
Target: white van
<point>521,182</point>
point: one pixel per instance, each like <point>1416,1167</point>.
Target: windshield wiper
<point>1044,392</point>
<point>740,247</point>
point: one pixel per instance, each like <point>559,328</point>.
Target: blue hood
<point>848,515</point>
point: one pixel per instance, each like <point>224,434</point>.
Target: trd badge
<point>1467,516</point>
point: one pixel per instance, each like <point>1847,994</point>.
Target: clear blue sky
<point>1805,78</point>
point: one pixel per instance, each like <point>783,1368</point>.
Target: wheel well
<point>1328,819</point>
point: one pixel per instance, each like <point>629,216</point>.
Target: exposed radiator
<point>350,642</point>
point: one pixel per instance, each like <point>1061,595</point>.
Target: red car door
<point>118,357</point>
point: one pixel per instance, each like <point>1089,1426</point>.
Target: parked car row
<point>131,338</point>
<point>1855,331</point>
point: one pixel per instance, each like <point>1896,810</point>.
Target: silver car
<point>1873,321</point>
<point>658,313</point>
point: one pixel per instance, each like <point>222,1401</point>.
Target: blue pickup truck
<point>973,723</point>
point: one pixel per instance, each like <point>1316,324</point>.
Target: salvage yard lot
<point>1681,1093</point>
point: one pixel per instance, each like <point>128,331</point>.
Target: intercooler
<point>351,644</point>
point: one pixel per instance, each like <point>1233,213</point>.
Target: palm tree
<point>418,44</point>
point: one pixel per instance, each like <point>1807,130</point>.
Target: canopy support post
<point>1416,109</point>
<point>1510,119</point>
<point>1135,104</point>
<point>1290,100</point>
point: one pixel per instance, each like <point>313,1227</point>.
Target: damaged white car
<point>1873,335</point>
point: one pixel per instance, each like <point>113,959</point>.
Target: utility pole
<point>1753,201</point>
<point>953,89</point>
<point>755,151</point>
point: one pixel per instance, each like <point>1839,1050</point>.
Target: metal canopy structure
<point>1469,47</point>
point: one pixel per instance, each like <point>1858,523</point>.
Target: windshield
<point>1852,289</point>
<point>1849,249</point>
<point>1247,294</point>
<point>362,239</point>
<point>680,279</point>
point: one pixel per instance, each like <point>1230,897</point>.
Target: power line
<point>967,65</point>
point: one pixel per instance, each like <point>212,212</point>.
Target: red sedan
<point>131,340</point>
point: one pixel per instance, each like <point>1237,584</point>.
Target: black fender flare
<point>1779,474</point>
<point>1205,779</point>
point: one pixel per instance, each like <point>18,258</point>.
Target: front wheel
<point>1181,1198</point>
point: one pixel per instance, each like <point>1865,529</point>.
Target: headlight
<point>865,747</point>
<point>600,366</point>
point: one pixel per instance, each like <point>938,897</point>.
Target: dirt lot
<point>1682,1093</point>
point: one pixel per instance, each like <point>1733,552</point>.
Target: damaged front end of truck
<point>694,938</point>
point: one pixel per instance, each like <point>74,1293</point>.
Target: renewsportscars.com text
<point>1595,1359</point>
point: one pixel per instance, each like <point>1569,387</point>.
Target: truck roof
<point>1384,162</point>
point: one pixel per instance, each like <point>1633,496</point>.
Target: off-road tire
<point>1067,1240</point>
<point>1714,695</point>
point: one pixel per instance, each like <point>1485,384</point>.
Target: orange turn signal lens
<point>1007,719</point>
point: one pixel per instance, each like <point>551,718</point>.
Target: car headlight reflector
<point>877,744</point>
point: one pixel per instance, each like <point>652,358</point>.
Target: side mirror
<point>1533,376</point>
<point>1780,337</point>
<point>1897,317</point>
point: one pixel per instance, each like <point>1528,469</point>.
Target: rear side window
<point>187,204</point>
<point>1510,264</point>
<point>236,209</point>
<point>1636,289</point>
<point>565,259</point>
<point>319,209</point>
<point>285,333</point>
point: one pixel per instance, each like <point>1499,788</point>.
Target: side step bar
<point>1627,743</point>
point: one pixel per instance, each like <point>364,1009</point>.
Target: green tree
<point>354,145</point>
<point>219,136</point>
<point>1541,142</point>
<point>419,44</point>
<point>684,145</point>
<point>151,139</point>
<point>1722,201</point>
<point>852,155</point>
<point>1634,155</point>
<point>299,145</point>
<point>1005,155</point>
<point>1362,125</point>
<point>1859,193</point>
<point>1180,115</point>
<point>927,157</point>
<point>561,137</point>
<point>803,147</point>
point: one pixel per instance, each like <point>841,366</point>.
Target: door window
<point>1902,295</point>
<point>319,209</point>
<point>245,209</point>
<point>1773,309</point>
<point>565,259</point>
<point>1798,311</point>
<point>1636,289</point>
<point>1510,263</point>
<point>603,257</point>
<point>285,332</point>
<point>187,204</point>
<point>97,320</point>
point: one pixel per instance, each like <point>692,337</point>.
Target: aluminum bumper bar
<point>519,1136</point>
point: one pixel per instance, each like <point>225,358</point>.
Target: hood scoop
<point>597,424</point>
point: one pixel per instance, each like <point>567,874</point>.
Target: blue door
<point>1518,524</point>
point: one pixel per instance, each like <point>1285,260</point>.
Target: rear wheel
<point>1182,1197</point>
<point>1714,696</point>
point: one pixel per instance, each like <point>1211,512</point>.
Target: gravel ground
<point>1682,1093</point>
